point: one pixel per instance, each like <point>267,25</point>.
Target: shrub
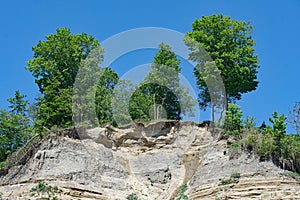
<point>42,188</point>
<point>234,150</point>
<point>250,143</point>
<point>265,147</point>
<point>132,196</point>
<point>234,178</point>
<point>225,181</point>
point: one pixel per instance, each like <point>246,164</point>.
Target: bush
<point>132,196</point>
<point>250,143</point>
<point>234,150</point>
<point>234,178</point>
<point>42,188</point>
<point>265,147</point>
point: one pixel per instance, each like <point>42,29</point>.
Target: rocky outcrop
<point>151,161</point>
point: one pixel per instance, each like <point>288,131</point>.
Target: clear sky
<point>276,32</point>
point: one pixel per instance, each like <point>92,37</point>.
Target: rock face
<point>152,162</point>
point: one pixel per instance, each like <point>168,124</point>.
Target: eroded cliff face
<point>152,162</point>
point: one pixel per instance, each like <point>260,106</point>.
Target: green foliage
<point>272,143</point>
<point>103,98</point>
<point>132,196</point>
<point>225,181</point>
<point>230,45</point>
<point>181,191</point>
<point>15,126</point>
<point>55,65</point>
<point>160,95</point>
<point>294,175</point>
<point>250,142</point>
<point>234,178</point>
<point>234,149</point>
<point>39,188</point>
<point>233,120</point>
<point>45,191</point>
<point>120,103</point>
<point>17,104</point>
<point>249,122</point>
<point>2,164</point>
<point>265,147</point>
<point>277,130</point>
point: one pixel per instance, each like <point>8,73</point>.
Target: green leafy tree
<point>233,120</point>
<point>161,92</point>
<point>15,125</point>
<point>55,65</point>
<point>103,99</point>
<point>230,45</point>
<point>277,130</point>
<point>121,103</point>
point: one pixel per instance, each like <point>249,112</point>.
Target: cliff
<point>164,160</point>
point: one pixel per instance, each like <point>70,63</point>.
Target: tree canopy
<point>55,65</point>
<point>160,95</point>
<point>15,125</point>
<point>230,45</point>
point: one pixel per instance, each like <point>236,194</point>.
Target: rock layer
<point>152,162</point>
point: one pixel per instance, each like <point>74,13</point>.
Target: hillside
<point>150,162</point>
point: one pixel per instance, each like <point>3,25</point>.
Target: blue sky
<point>276,32</point>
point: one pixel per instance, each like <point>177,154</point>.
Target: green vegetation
<point>15,126</point>
<point>234,178</point>
<point>54,66</point>
<point>181,193</point>
<point>160,95</point>
<point>132,196</point>
<point>45,191</point>
<point>104,94</point>
<point>233,120</point>
<point>230,45</point>
<point>58,59</point>
<point>269,142</point>
<point>295,176</point>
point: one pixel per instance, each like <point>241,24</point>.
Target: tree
<point>230,46</point>
<point>160,94</point>
<point>15,126</point>
<point>55,65</point>
<point>278,130</point>
<point>121,103</point>
<point>103,99</point>
<point>233,120</point>
<point>18,104</point>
